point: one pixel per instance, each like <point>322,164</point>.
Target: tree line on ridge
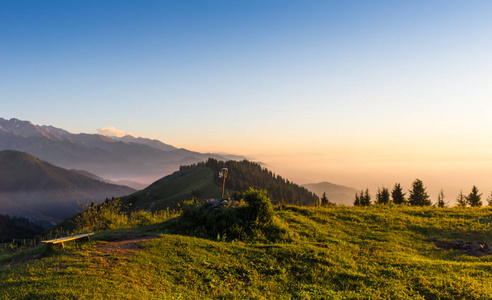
<point>418,197</point>
<point>246,174</point>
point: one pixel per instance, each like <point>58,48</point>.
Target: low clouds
<point>111,131</point>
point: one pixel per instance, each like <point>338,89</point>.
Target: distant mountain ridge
<point>337,194</point>
<point>27,129</point>
<point>33,188</point>
<point>144,141</point>
<point>133,184</point>
<point>127,158</point>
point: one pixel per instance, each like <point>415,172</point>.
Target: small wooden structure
<point>223,174</point>
<point>50,243</point>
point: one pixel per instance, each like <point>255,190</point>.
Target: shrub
<point>140,218</point>
<point>253,219</point>
<point>108,215</point>
<point>259,206</point>
<point>104,216</point>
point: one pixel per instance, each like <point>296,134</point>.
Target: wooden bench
<point>50,243</point>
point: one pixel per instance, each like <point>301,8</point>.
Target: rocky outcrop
<point>470,248</point>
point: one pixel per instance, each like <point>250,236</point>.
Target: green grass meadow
<point>173,189</point>
<point>377,252</point>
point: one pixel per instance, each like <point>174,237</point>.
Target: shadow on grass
<point>466,234</point>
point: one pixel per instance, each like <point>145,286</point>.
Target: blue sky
<point>363,93</point>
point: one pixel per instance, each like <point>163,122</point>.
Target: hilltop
<point>33,188</point>
<point>335,252</point>
<point>202,181</point>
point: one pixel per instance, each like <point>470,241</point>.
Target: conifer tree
<point>474,198</point>
<point>324,200</point>
<point>440,199</point>
<point>398,195</point>
<point>418,195</point>
<point>365,198</point>
<point>245,174</point>
<point>382,196</point>
<point>489,199</point>
<point>461,199</point>
<point>357,200</point>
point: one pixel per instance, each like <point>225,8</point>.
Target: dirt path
<point>19,261</point>
<point>123,246</point>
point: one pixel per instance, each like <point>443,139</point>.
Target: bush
<point>259,206</point>
<point>140,218</point>
<point>104,216</point>
<point>108,215</point>
<point>253,219</point>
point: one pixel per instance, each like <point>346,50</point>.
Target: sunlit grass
<point>334,253</point>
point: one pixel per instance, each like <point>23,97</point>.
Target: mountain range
<point>33,188</point>
<point>46,170</point>
<point>125,158</point>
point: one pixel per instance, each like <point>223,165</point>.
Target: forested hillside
<point>245,174</point>
<point>35,189</point>
<point>18,228</point>
<point>202,181</point>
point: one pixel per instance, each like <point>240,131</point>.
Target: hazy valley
<point>38,190</point>
<point>33,186</point>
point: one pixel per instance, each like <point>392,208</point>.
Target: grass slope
<point>174,188</point>
<point>335,253</point>
<point>202,181</point>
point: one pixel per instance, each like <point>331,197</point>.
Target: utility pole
<point>223,174</point>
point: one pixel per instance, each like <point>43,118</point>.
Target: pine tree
<point>461,200</point>
<point>382,196</point>
<point>474,199</point>
<point>357,200</point>
<point>398,195</point>
<point>440,199</point>
<point>365,198</point>
<point>489,199</point>
<point>324,200</point>
<point>418,195</point>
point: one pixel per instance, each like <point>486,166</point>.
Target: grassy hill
<point>169,191</point>
<point>202,181</point>
<point>380,252</point>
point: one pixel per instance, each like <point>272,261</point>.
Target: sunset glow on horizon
<point>358,93</point>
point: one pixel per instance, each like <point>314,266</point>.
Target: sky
<point>358,93</point>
